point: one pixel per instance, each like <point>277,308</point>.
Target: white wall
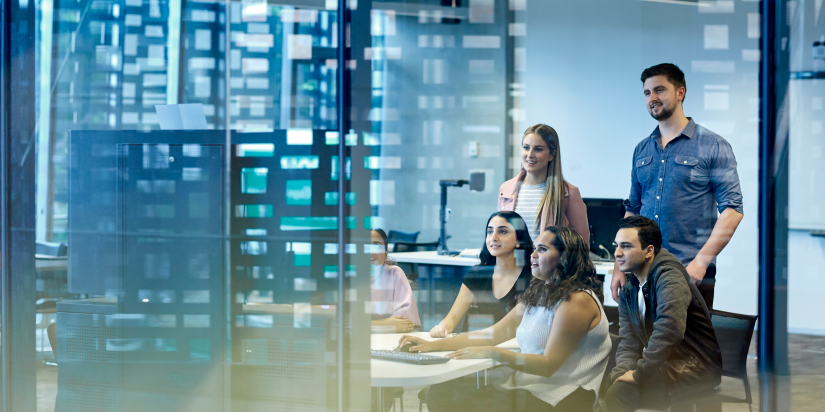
<point>584,60</point>
<point>806,289</point>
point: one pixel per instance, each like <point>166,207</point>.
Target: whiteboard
<point>806,161</point>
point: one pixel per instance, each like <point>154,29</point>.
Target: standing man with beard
<point>682,175</point>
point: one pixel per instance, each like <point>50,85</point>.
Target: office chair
<point>51,249</point>
<point>399,236</point>
<point>392,393</point>
<point>612,313</point>
<point>422,398</point>
<point>733,332</point>
<point>414,247</point>
<point>411,269</point>
<point>400,397</point>
<point>51,331</point>
<point>611,363</point>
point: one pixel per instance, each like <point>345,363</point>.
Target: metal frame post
<point>773,205</point>
<point>17,205</point>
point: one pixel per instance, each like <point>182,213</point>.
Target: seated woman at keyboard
<point>392,303</point>
<point>561,330</point>
<point>503,274</point>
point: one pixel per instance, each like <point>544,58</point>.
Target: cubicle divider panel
<point>285,366</point>
<point>90,377</point>
<point>171,260</point>
<point>283,217</point>
<point>284,252</point>
<point>148,225</point>
<point>438,287</point>
<point>95,198</point>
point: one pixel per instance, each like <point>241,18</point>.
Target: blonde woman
<point>539,193</point>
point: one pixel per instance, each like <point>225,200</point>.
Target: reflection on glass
<point>299,162</point>
<point>299,192</point>
<point>253,211</point>
<point>253,180</point>
<point>444,88</point>
<point>256,150</point>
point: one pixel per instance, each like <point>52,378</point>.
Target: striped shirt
<point>527,203</point>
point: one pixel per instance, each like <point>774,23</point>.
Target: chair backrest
<point>399,236</point>
<point>414,247</point>
<point>611,363</point>
<point>733,332</point>
<point>51,249</point>
<point>51,331</point>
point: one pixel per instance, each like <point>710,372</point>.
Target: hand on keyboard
<point>420,345</point>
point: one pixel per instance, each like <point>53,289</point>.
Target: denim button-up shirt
<point>683,186</point>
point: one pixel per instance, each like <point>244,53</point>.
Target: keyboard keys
<point>416,358</point>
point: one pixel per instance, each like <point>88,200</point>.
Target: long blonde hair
<point>554,192</point>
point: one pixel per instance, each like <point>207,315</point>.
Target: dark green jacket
<point>676,342</point>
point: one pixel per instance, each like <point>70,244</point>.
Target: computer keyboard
<point>416,358</point>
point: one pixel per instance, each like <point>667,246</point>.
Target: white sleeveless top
<point>584,368</point>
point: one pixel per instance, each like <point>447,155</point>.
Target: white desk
<point>44,263</point>
<point>388,373</point>
<point>433,258</point>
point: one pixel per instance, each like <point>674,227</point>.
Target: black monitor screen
<point>603,216</point>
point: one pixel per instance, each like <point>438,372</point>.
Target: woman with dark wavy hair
<point>561,329</point>
<point>495,284</point>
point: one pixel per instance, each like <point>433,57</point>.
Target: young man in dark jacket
<point>668,351</point>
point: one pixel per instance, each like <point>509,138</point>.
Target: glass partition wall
<point>806,220</point>
<point>236,264</point>
<point>222,266</point>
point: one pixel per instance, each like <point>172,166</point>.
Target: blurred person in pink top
<point>392,303</point>
<point>539,193</point>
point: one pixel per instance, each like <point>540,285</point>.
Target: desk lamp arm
<point>442,240</point>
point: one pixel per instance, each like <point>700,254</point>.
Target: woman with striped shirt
<point>539,193</point>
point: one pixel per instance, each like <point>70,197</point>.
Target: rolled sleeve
<point>633,203</point>
<point>724,179</point>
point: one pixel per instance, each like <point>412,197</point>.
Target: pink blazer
<point>575,211</point>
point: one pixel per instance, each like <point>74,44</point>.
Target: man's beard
<point>665,114</point>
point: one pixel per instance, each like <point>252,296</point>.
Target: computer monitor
<point>603,216</point>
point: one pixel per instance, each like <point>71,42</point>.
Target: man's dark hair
<point>671,71</point>
<point>649,233</point>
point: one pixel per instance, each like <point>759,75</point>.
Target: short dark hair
<point>648,230</point>
<point>671,71</point>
